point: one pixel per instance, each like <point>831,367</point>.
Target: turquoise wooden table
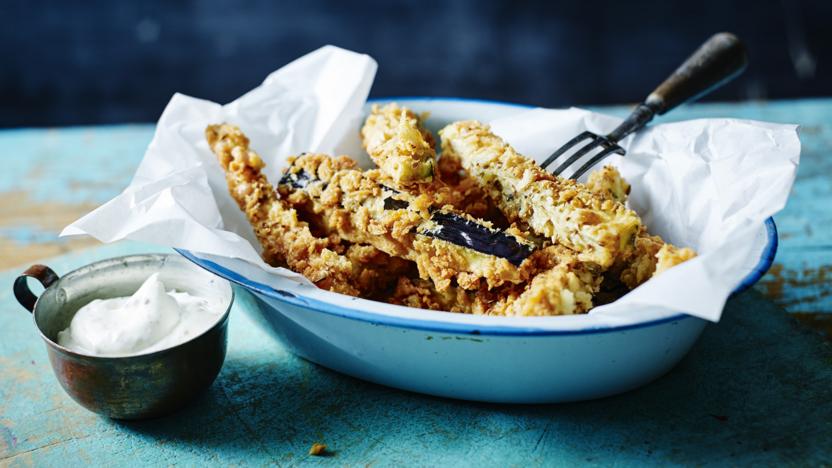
<point>757,388</point>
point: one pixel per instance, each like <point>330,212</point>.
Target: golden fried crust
<point>642,264</point>
<point>372,232</point>
<point>375,272</point>
<point>404,152</point>
<point>608,182</point>
<point>286,240</point>
<point>419,293</point>
<point>560,285</point>
<point>650,258</point>
<point>400,146</point>
<point>449,168</point>
<point>670,256</point>
<point>351,204</point>
<point>416,292</point>
<point>561,290</point>
<point>564,286</point>
<point>597,228</point>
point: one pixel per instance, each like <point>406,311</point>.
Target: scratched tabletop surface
<point>756,388</point>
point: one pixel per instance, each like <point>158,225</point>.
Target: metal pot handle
<point>24,295</point>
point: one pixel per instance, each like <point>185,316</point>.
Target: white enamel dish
<point>493,359</point>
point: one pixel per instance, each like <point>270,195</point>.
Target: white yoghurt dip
<point>150,320</point>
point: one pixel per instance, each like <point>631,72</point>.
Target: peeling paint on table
<point>756,389</point>
<point>801,279</point>
<point>52,177</point>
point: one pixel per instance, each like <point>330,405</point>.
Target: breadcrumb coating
<point>669,256</point>
<point>608,182</point>
<point>317,449</point>
<point>641,265</point>
<point>399,145</point>
<point>357,207</point>
<point>562,290</point>
<point>599,229</point>
<point>286,239</point>
<point>404,152</point>
<point>651,257</point>
<point>383,233</point>
<point>560,285</point>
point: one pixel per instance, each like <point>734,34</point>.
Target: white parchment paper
<point>708,184</point>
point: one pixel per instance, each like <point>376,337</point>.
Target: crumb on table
<point>317,449</point>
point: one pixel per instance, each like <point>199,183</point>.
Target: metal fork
<point>717,61</point>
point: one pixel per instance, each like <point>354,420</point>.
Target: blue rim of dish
<point>765,262</point>
<point>440,98</point>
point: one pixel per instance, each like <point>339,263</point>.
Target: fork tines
<point>595,141</point>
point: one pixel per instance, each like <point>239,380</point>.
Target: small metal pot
<point>133,387</point>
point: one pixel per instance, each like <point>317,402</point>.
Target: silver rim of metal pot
<point>23,294</point>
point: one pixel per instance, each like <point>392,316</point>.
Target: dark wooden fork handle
<point>717,61</point>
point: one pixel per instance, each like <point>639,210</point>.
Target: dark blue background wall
<point>105,61</point>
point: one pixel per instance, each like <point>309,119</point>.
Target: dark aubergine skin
<point>298,180</point>
<point>453,228</point>
<point>467,233</point>
<point>393,204</point>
